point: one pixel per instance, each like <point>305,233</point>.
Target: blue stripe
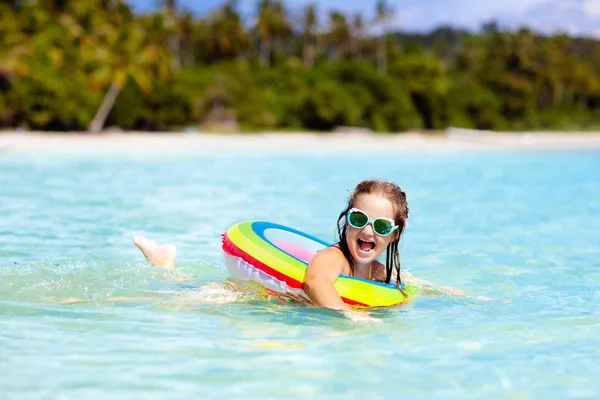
<point>259,228</point>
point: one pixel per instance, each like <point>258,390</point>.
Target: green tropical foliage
<point>84,65</point>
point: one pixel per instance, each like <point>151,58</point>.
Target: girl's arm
<point>433,289</point>
<point>430,287</point>
<point>426,286</point>
<point>322,272</point>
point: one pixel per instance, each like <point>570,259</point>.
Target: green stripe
<point>286,264</point>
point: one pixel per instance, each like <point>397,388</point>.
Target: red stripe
<point>230,248</point>
<point>353,303</point>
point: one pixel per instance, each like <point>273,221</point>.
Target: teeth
<point>368,241</point>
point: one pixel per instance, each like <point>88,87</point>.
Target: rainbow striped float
<point>277,257</point>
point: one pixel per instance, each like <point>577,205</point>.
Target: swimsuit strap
<point>370,268</point>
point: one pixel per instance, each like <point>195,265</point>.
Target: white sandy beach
<point>166,142</point>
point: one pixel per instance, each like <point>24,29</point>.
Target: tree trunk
<point>381,55</point>
<point>334,54</point>
<point>308,54</point>
<point>174,46</point>
<point>265,53</point>
<point>109,100</point>
<point>355,46</point>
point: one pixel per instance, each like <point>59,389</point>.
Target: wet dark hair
<point>397,197</point>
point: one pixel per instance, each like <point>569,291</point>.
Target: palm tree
<point>187,38</point>
<point>264,29</point>
<point>339,35</point>
<point>173,27</point>
<point>283,28</point>
<point>358,28</point>
<point>130,53</point>
<point>309,22</point>
<point>225,37</point>
<point>383,14</point>
<point>272,27</point>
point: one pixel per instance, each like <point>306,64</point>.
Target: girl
<point>373,221</point>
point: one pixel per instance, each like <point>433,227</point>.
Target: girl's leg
<point>161,256</point>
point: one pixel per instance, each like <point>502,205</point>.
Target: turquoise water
<point>82,314</point>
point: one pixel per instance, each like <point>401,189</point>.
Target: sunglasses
<point>359,219</point>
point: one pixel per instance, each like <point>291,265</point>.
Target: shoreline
<point>451,140</point>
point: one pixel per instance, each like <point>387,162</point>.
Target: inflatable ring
<point>277,257</point>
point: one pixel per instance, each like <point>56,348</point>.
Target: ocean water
<point>83,315</point>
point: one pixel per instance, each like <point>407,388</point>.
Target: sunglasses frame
<point>370,221</point>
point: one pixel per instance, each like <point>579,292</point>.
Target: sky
<point>577,17</point>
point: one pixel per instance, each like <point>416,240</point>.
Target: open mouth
<point>366,245</point>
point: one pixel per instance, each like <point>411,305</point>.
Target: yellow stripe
<point>369,293</point>
<point>249,242</point>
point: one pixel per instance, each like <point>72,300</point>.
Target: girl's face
<point>364,244</point>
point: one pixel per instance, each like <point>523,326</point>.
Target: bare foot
<point>161,256</point>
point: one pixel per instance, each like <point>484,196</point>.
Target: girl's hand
<point>450,290</point>
<point>360,316</point>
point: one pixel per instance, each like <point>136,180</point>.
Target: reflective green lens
<point>382,226</point>
<point>357,219</point>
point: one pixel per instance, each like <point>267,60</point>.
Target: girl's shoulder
<point>332,251</point>
<point>332,255</point>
